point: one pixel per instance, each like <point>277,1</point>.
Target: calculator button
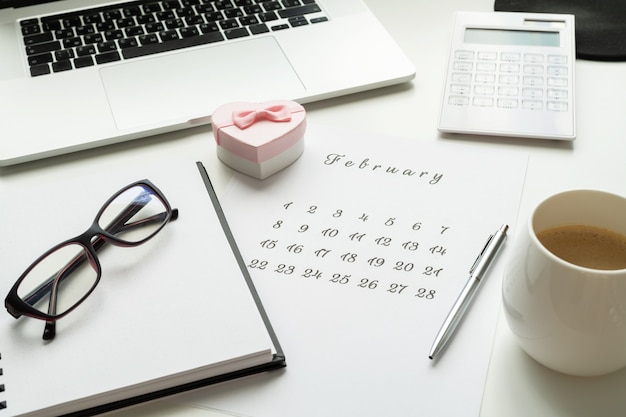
<point>557,82</point>
<point>532,92</point>
<point>533,69</point>
<point>487,56</point>
<point>485,78</point>
<point>533,58</point>
<point>464,55</point>
<point>508,91</point>
<point>557,71</point>
<point>461,77</point>
<point>463,66</point>
<point>533,80</point>
<point>510,68</point>
<point>557,59</point>
<point>532,104</point>
<point>557,94</point>
<point>507,103</point>
<point>510,56</point>
<point>484,90</point>
<point>557,105</point>
<point>509,79</point>
<point>458,101</point>
<point>486,66</point>
<point>460,89</point>
<point>483,101</point>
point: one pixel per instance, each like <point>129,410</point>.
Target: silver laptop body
<point>345,51</point>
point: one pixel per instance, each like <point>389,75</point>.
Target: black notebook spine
<point>3,403</point>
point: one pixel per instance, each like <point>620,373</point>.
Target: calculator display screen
<point>511,37</point>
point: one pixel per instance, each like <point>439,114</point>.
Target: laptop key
<point>319,19</point>
<point>248,20</point>
<point>64,55</point>
<point>51,25</point>
<point>148,39</point>
<point>291,3</point>
<point>272,5</point>
<point>209,27</point>
<point>42,69</point>
<point>29,22</point>
<point>236,33</point>
<point>71,22</point>
<point>189,32</point>
<point>34,60</point>
<point>108,57</point>
<point>298,21</point>
<point>299,11</point>
<point>72,42</point>
<point>229,24</point>
<point>112,35</point>
<point>92,18</point>
<point>268,17</point>
<point>31,29</point>
<point>83,61</point>
<point>127,43</point>
<point>38,38</point>
<point>43,47</point>
<point>169,35</point>
<point>171,5</point>
<point>152,8</point>
<point>257,29</point>
<point>86,50</point>
<point>93,38</point>
<point>172,45</point>
<point>131,11</point>
<point>107,47</point>
<point>61,66</point>
<point>154,27</point>
<point>85,30</point>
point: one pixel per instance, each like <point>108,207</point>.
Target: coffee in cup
<point>587,246</point>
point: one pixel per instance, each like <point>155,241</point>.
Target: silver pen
<point>477,273</point>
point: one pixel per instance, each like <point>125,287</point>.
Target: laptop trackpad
<point>173,88</point>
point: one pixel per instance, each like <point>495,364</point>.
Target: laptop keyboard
<point>138,28</point>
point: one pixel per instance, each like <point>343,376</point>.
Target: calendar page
<point>358,251</point>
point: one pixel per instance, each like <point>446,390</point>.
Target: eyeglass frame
<point>17,307</point>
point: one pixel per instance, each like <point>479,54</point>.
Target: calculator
<point>511,74</point>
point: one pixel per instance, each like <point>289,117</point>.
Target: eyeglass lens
<point>63,274</point>
<point>133,215</point>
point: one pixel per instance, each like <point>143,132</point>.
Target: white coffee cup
<point>569,318</point>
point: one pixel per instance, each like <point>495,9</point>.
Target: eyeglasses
<point>63,277</point>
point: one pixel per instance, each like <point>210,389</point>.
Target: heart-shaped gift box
<point>259,139</point>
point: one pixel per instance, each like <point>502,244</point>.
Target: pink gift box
<point>259,139</point>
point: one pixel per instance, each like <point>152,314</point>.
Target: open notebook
<point>173,314</point>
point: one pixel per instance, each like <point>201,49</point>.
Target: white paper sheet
<point>358,251</point>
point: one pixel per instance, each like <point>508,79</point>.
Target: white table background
<point>516,385</point>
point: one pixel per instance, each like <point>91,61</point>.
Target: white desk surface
<point>516,385</point>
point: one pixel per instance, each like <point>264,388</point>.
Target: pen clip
<point>480,255</point>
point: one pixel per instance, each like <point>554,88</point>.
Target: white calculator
<point>511,74</point>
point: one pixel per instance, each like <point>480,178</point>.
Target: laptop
<point>72,80</point>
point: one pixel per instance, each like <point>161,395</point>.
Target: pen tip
<point>431,357</point>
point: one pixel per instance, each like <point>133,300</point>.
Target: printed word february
<point>365,164</point>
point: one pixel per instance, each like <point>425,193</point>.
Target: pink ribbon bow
<point>276,113</point>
